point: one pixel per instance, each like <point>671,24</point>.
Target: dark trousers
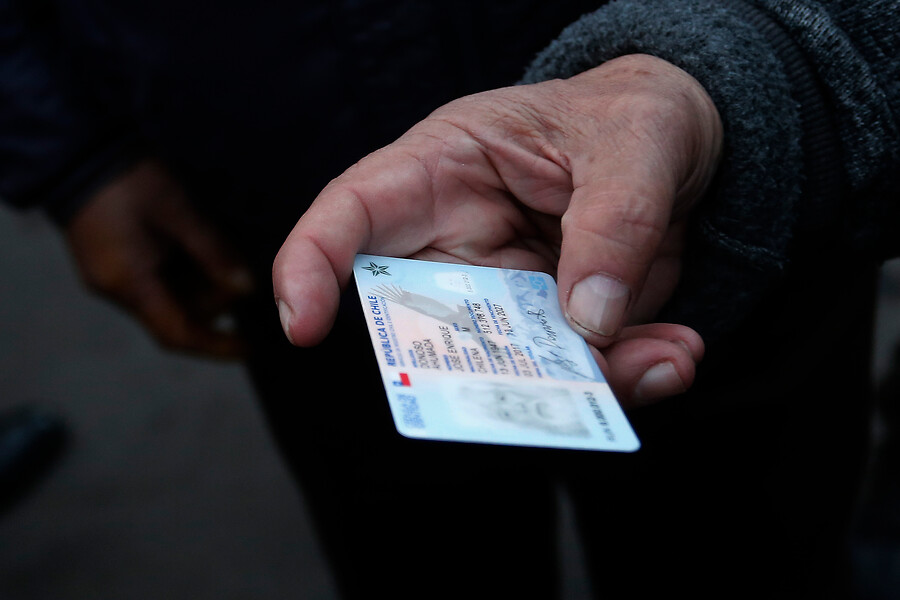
<point>744,487</point>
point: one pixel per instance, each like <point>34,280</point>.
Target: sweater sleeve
<point>853,49</point>
<point>55,145</point>
<point>810,147</point>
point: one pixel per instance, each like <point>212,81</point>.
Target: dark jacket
<point>269,99</point>
<point>809,95</point>
<point>257,106</point>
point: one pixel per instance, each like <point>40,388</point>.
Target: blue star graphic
<point>377,270</point>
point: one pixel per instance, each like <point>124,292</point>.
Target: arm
<point>808,98</point>
<point>588,178</point>
<point>762,203</point>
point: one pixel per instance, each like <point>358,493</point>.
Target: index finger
<point>314,264</point>
<point>379,205</point>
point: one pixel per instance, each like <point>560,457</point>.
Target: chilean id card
<point>484,355</point>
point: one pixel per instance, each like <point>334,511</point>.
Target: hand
<point>589,178</point>
<point>138,242</point>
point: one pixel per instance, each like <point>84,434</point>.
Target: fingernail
<point>657,382</point>
<point>598,304</point>
<point>285,314</point>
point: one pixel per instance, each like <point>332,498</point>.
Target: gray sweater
<point>809,94</point>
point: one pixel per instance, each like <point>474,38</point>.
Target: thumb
<point>612,231</point>
<point>652,154</point>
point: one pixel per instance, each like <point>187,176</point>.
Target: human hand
<point>138,242</point>
<point>589,178</point>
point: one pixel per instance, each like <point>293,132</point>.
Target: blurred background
<point>168,484</point>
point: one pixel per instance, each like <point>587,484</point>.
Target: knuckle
<point>625,234</point>
<point>635,217</point>
<point>639,218</point>
<point>652,116</point>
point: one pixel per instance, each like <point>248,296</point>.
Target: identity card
<point>484,355</point>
